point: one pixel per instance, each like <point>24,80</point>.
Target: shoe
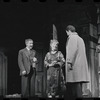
<point>50,96</point>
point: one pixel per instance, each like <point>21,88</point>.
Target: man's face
<point>68,32</point>
<point>29,44</point>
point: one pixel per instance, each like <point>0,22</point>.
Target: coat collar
<point>31,54</point>
<point>26,52</point>
<point>75,33</point>
<point>27,48</point>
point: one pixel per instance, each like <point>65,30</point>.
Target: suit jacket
<point>76,54</point>
<point>24,60</point>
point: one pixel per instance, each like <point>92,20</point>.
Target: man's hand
<point>69,66</point>
<point>34,65</point>
<point>23,72</point>
<point>34,59</point>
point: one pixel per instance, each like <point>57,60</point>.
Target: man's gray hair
<point>26,40</point>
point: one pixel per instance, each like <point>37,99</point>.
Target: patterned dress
<point>55,77</point>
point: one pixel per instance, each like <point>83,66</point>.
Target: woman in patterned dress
<point>54,60</point>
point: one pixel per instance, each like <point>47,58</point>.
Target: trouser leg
<point>68,95</point>
<point>73,91</point>
<point>32,83</point>
<point>79,89</point>
<point>24,86</point>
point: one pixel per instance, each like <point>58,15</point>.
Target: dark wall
<point>14,81</point>
<point>19,21</point>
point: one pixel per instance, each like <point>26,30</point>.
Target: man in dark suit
<point>27,64</point>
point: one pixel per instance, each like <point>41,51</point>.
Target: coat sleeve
<point>20,61</point>
<point>71,49</point>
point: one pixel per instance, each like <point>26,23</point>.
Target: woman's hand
<point>53,63</point>
<point>50,64</point>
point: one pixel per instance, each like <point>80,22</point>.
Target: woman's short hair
<point>71,28</point>
<point>54,41</point>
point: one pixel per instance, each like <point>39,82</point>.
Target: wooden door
<point>93,61</point>
<point>89,33</point>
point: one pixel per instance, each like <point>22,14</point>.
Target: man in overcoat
<point>76,63</point>
<point>27,64</point>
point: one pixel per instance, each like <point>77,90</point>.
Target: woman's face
<point>54,46</point>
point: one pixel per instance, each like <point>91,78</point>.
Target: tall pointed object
<point>54,32</point>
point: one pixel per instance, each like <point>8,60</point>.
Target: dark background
<point>34,19</point>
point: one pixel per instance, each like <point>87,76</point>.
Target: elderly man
<point>27,63</point>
